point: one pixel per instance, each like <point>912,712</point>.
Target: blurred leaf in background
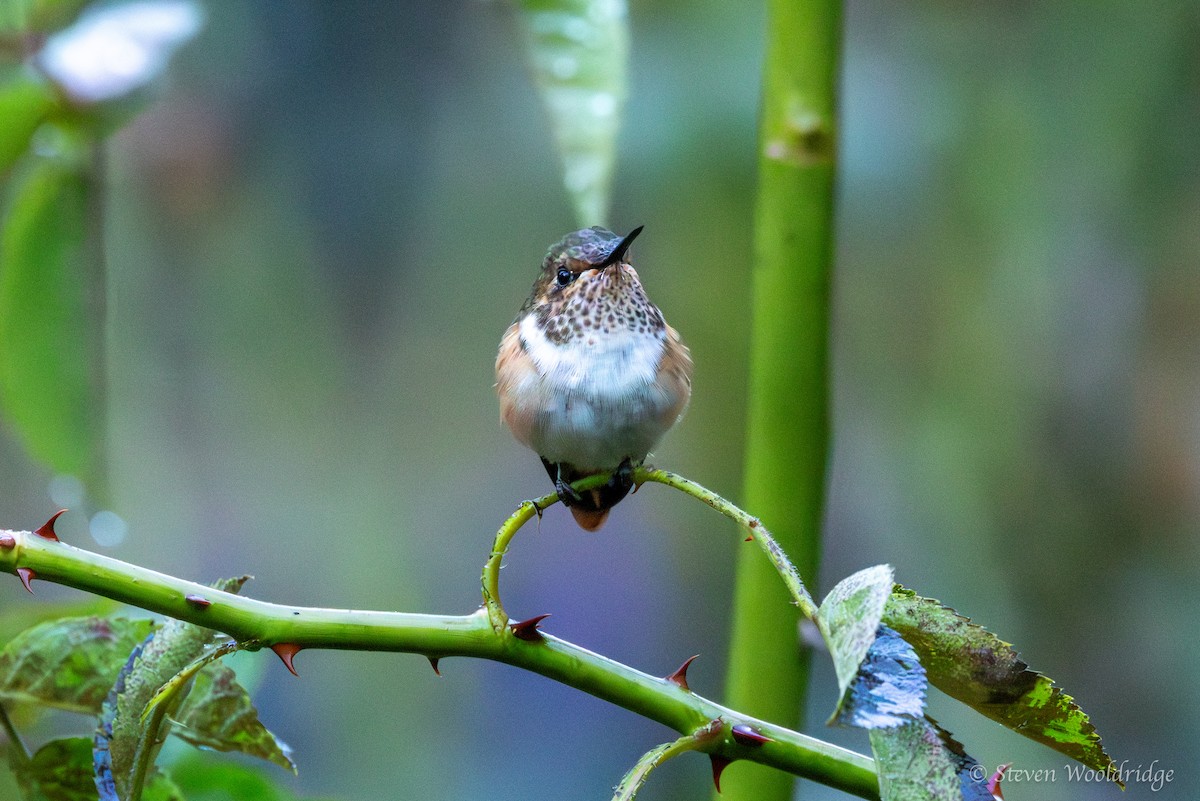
<point>52,261</point>
<point>579,53</point>
<point>46,384</point>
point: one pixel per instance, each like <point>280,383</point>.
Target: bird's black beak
<point>618,253</point>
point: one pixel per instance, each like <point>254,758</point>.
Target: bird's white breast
<point>596,400</point>
<point>601,364</point>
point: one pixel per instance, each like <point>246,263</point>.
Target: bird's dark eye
<point>564,277</point>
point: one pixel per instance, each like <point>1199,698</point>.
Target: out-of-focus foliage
<point>46,364</point>
<point>201,778</point>
<point>578,51</point>
<point>319,233</point>
<point>61,770</point>
<point>24,105</point>
<point>66,84</point>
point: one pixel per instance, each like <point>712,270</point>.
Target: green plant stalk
<point>15,743</point>
<point>787,418</point>
<point>259,623</point>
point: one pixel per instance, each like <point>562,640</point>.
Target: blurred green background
<point>319,232</point>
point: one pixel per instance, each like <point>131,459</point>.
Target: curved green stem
<point>633,780</point>
<point>753,526</point>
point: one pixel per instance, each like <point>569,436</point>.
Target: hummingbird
<point>589,375</point>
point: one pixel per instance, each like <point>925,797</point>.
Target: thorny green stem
<point>483,634</point>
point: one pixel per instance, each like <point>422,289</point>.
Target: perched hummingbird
<point>590,376</point>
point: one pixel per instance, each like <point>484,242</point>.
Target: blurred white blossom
<point>113,51</point>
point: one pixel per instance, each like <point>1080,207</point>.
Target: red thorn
<point>680,676</point>
<point>287,651</point>
<point>528,629</point>
<point>26,575</point>
<point>749,538</point>
<point>993,785</point>
<point>198,601</point>
<point>8,542</point>
<point>47,529</point>
<point>433,663</point>
<point>749,736</point>
<point>754,523</point>
<point>719,763</point>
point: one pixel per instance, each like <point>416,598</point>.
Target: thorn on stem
<point>749,736</point>
<point>46,530</point>
<point>433,663</point>
<point>286,651</point>
<point>8,541</point>
<point>680,675</point>
<point>26,575</point>
<point>749,538</point>
<point>719,763</point>
<point>528,629</point>
<point>198,601</point>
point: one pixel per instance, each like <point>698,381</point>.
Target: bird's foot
<point>622,478</point>
<point>566,493</point>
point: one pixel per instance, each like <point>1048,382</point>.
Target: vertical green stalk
<point>786,448</point>
<point>95,304</point>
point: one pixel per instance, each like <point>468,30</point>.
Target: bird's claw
<point>566,493</point>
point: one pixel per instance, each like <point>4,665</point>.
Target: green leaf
<point>24,105</point>
<point>47,324</point>
<point>889,687</point>
<point>849,617</point>
<point>579,50</point>
<point>162,788</point>
<point>919,761</point>
<point>220,780</point>
<point>61,770</point>
<point>16,619</point>
<point>68,663</point>
<point>968,662</point>
<point>219,714</point>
